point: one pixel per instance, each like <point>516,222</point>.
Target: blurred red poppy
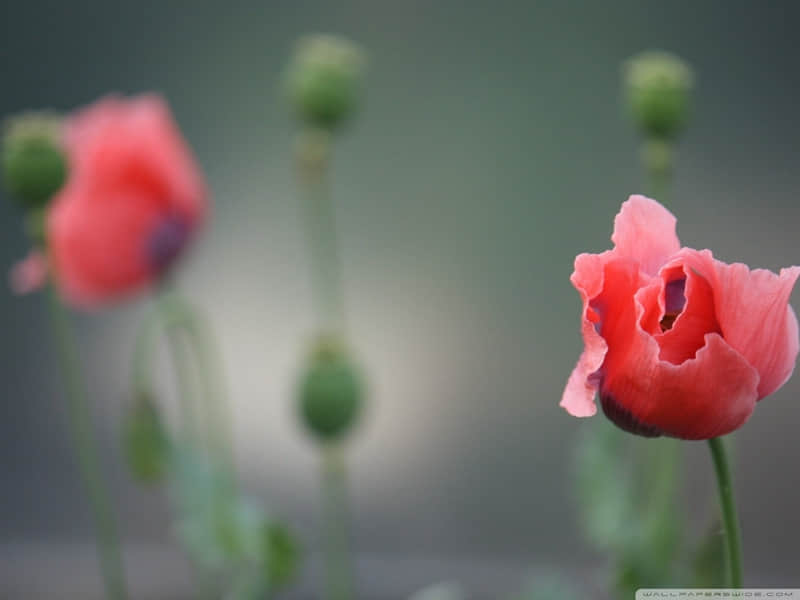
<point>133,199</point>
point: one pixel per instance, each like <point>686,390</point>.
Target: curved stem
<point>186,339</point>
<point>80,423</point>
<point>181,318</point>
<point>141,372</point>
<point>338,569</point>
<point>209,364</point>
<point>183,375</point>
<point>729,515</point>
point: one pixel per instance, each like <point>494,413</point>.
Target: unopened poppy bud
<point>331,391</point>
<point>324,79</point>
<point>658,85</point>
<point>34,166</point>
<point>145,441</point>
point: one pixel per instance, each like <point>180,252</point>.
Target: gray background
<point>492,148</point>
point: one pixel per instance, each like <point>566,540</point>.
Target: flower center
<point>674,302</point>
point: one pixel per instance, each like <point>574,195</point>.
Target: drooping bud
<point>34,165</point>
<point>331,391</point>
<point>145,441</point>
<point>324,79</point>
<point>658,87</point>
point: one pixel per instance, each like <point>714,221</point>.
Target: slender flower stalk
<point>197,366</point>
<point>338,568</point>
<point>312,164</point>
<point>80,424</point>
<point>657,161</point>
<point>204,416</point>
<point>730,518</point>
<point>323,82</point>
<point>313,153</point>
<point>209,366</point>
<point>190,419</point>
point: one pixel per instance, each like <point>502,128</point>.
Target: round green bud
<point>331,391</point>
<point>33,163</point>
<point>145,441</point>
<point>658,87</point>
<point>323,80</point>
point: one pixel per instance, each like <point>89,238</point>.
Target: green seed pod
<point>33,163</point>
<point>331,391</point>
<point>145,441</point>
<point>658,87</point>
<point>323,80</point>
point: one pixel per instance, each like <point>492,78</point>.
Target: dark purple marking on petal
<point>166,241</point>
<point>674,297</point>
<point>674,302</point>
<point>622,418</point>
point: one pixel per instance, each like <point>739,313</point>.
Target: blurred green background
<point>492,148</point>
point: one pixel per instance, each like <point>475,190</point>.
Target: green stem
<point>657,159</point>
<point>338,569</point>
<point>183,374</point>
<point>183,333</point>
<point>313,162</point>
<point>312,157</point>
<point>184,330</point>
<point>209,365</point>
<point>729,516</point>
<point>181,318</point>
<point>141,371</point>
<point>80,423</point>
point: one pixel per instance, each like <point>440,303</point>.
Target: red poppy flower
<point>676,342</point>
<point>133,199</point>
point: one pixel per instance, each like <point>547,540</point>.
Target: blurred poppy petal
<point>29,274</point>
<point>132,202</point>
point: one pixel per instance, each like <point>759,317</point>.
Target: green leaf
<point>228,533</point>
<point>281,554</point>
<point>145,441</point>
<point>205,498</point>
<point>604,486</point>
<point>627,489</point>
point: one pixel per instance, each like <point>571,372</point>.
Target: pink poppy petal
<point>753,312</point>
<point>697,318</point>
<point>709,395</point>
<point>579,393</point>
<point>644,231</point>
<point>29,275</point>
<point>100,252</point>
<point>133,200</point>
